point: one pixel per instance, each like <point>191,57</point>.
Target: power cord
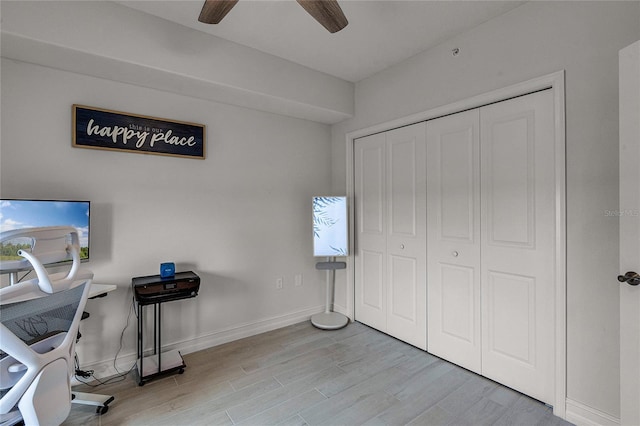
<point>82,374</point>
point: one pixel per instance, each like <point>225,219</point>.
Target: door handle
<point>631,278</point>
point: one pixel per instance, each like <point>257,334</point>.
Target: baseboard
<point>584,415</point>
<point>104,369</point>
<point>342,310</point>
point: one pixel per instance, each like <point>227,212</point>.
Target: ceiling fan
<point>326,12</point>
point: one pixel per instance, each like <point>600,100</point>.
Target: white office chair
<point>39,325</point>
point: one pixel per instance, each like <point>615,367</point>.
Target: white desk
<point>100,290</point>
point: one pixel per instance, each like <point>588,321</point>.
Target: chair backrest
<point>47,245</point>
<point>39,321</point>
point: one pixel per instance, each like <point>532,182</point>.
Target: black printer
<point>155,289</point>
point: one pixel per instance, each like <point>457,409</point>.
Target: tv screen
<point>330,236</point>
<point>19,214</point>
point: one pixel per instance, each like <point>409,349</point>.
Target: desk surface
<point>101,289</point>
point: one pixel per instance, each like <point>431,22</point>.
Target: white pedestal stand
<point>329,320</point>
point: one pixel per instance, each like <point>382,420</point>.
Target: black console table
<point>156,290</point>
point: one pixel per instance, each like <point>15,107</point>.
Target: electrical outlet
<point>279,283</point>
<point>298,281</point>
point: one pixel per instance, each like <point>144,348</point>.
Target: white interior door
<point>453,240</point>
<point>390,198</point>
<point>630,233</point>
<point>518,246</point>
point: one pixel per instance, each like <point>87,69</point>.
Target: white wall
<point>536,39</point>
<point>109,40</point>
<point>240,219</point>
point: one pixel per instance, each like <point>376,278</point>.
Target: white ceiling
<point>380,33</point>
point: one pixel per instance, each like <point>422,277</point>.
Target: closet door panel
<point>511,316</point>
<point>371,244</point>
<point>453,239</point>
<point>372,191</point>
<point>458,292</point>
<point>402,277</point>
<point>403,174</point>
<point>510,182</point>
<point>372,309</point>
<point>406,248</point>
<point>518,250</point>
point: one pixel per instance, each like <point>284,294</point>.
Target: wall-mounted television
<point>330,226</point>
<point>20,214</point>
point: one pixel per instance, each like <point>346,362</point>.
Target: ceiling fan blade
<point>214,10</point>
<point>326,12</point>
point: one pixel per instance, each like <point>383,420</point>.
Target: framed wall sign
<point>98,128</point>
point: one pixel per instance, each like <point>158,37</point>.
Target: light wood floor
<point>300,375</point>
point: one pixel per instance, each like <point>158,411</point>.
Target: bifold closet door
<point>390,260</point>
<point>453,239</point>
<point>491,241</point>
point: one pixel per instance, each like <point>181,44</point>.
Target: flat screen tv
<point>330,226</point>
<point>19,214</point>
